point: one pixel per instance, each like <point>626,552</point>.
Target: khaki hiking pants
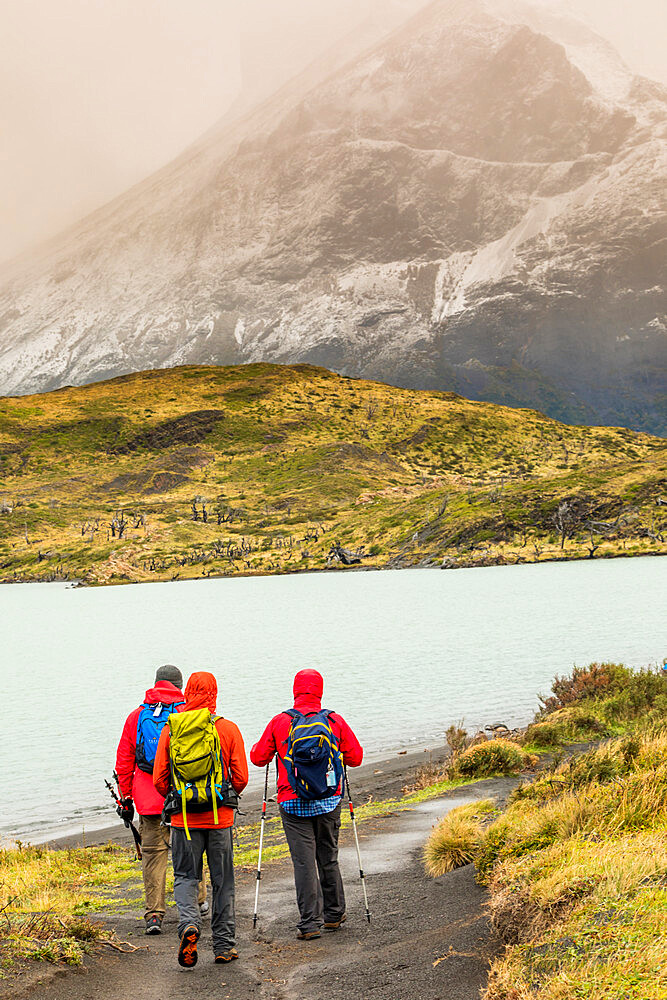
<point>155,852</point>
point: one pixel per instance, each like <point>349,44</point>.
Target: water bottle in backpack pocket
<point>152,720</point>
<point>313,761</point>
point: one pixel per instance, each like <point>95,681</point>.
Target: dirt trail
<point>429,938</point>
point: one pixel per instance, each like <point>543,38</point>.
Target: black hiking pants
<point>313,845</point>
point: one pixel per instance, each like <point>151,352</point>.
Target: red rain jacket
<point>201,691</point>
<point>308,688</point>
<point>134,783</point>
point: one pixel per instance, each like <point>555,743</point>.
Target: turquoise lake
<point>404,654</point>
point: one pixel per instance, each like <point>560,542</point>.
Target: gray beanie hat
<point>170,673</point>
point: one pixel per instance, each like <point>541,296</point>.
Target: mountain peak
<point>462,206</point>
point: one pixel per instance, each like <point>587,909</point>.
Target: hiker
<point>198,751</point>
<point>134,767</point>
<point>310,813</point>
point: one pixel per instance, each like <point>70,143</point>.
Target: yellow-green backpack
<point>197,769</point>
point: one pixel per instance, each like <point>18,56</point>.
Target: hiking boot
<point>187,952</point>
<point>153,925</point>
<point>226,956</point>
<point>333,925</point>
<point>204,907</point>
<point>307,935</point>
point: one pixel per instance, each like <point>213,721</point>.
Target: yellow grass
<point>296,458</point>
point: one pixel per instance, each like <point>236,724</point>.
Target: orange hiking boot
<point>187,952</point>
<point>226,956</point>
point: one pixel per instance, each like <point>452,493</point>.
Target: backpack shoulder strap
<point>292,712</point>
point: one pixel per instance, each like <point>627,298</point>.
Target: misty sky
<point>96,94</point>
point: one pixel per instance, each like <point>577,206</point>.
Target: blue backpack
<point>152,719</point>
<point>313,761</point>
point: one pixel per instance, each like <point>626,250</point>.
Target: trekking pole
<point>115,795</point>
<point>261,844</point>
<point>356,840</point>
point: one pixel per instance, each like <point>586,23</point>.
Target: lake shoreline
<point>490,563</point>
<point>381,778</point>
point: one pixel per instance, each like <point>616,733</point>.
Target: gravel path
<point>429,938</point>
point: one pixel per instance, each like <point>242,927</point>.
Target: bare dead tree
<point>622,519</point>
<point>565,519</point>
<point>442,506</point>
<point>603,529</point>
<point>593,546</point>
<point>118,524</point>
<point>90,527</point>
<point>655,533</point>
<point>345,556</point>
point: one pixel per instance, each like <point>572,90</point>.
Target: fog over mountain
<point>477,203</point>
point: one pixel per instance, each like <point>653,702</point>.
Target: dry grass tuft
<point>456,838</point>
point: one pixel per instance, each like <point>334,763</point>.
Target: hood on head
<point>309,682</point>
<point>201,691</point>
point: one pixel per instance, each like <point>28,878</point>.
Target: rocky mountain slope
<point>477,204</point>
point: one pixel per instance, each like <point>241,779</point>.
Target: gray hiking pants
<point>155,852</point>
<point>187,856</point>
<point>313,845</point>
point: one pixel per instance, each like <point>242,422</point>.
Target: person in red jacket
<point>206,835</point>
<point>311,827</point>
<point>137,789</point>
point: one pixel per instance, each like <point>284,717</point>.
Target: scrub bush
<point>567,725</point>
<point>492,757</point>
<point>594,681</point>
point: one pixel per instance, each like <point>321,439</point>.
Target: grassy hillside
<point>576,864</point>
<point>103,483</point>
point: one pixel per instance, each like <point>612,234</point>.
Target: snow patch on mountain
<point>596,58</point>
<point>498,259</point>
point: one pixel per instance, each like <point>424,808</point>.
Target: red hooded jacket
<point>308,688</point>
<point>201,691</point>
<point>133,782</point>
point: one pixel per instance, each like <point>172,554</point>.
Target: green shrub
<point>594,681</point>
<point>492,757</point>
<point>547,734</point>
